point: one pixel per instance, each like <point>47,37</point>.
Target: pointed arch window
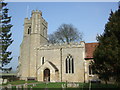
<point>91,69</point>
<point>69,63</point>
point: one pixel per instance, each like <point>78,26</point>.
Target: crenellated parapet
<point>36,12</point>
<point>62,45</point>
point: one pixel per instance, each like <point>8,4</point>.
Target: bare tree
<point>66,33</point>
<point>52,38</point>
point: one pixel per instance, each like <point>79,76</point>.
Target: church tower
<point>35,34</point>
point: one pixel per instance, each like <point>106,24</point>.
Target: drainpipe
<point>61,62</point>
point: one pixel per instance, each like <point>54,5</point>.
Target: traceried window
<point>69,63</point>
<point>29,30</point>
<point>42,60</point>
<point>91,69</point>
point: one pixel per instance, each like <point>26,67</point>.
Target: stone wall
<point>57,55</point>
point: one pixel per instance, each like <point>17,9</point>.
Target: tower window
<point>42,60</point>
<point>29,30</point>
<point>69,64</point>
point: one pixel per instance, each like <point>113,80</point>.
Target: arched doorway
<point>46,75</point>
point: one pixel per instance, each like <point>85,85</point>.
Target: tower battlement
<point>36,12</point>
<point>36,25</point>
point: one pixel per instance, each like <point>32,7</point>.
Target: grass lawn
<point>81,85</point>
<point>52,85</point>
<point>19,82</point>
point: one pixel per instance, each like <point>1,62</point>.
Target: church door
<point>46,75</point>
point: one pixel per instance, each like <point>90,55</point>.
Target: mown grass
<point>19,82</point>
<point>49,85</point>
<point>82,86</point>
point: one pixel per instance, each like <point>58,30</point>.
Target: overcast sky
<point>89,17</point>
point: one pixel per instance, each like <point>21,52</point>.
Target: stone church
<point>42,61</point>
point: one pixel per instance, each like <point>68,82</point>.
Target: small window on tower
<point>29,30</point>
<point>42,60</point>
<point>44,31</point>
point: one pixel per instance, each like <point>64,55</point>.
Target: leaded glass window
<point>69,62</point>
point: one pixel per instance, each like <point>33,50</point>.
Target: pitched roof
<point>56,69</point>
<point>89,49</point>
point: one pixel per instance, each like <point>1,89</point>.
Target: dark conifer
<point>5,35</point>
<point>107,54</point>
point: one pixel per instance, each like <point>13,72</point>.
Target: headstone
<point>72,84</point>
<point>17,87</point>
<point>30,88</point>
<point>5,81</point>
<point>20,87</point>
<point>1,80</point>
<point>9,86</point>
<point>25,85</point>
<point>1,88</point>
<point>63,86</point>
<point>34,85</point>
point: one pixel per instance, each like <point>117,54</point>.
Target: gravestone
<point>5,81</point>
<point>19,87</point>
<point>9,86</point>
<point>1,80</point>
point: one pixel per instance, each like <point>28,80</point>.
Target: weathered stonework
<point>43,61</point>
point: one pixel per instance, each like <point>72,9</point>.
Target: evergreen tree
<point>5,35</point>
<point>107,54</point>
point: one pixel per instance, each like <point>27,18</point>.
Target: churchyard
<point>31,85</point>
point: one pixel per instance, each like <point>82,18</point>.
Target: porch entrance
<point>46,75</point>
